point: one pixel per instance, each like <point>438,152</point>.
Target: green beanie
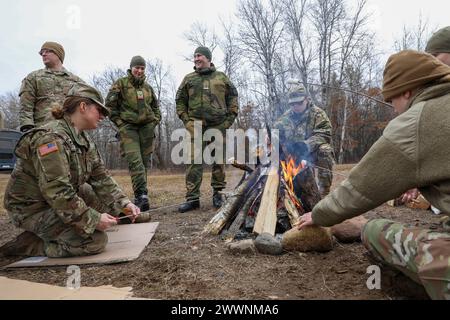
<point>439,42</point>
<point>137,61</point>
<point>204,51</point>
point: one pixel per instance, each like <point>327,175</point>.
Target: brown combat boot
<point>25,244</point>
<point>143,217</point>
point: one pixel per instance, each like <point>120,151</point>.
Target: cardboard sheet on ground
<point>125,243</point>
<point>25,290</point>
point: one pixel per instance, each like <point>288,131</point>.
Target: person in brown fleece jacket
<point>412,152</point>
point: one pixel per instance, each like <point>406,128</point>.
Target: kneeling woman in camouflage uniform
<point>58,169</point>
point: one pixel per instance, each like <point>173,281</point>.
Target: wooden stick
<point>232,204</point>
<point>266,220</point>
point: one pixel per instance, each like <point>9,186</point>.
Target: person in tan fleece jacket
<point>414,151</point>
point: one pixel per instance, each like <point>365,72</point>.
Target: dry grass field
<point>180,264</point>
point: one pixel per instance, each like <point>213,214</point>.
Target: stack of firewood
<point>268,199</point>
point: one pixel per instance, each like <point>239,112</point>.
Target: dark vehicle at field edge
<point>8,141</point>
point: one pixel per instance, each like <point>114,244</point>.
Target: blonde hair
<point>69,107</point>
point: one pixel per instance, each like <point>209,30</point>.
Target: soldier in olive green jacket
<point>135,112</point>
<point>209,97</point>
<point>44,195</point>
<point>413,152</point>
<point>307,125</point>
<point>45,88</point>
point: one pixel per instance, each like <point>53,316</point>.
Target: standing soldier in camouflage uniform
<point>135,111</point>
<point>307,125</point>
<point>43,194</point>
<point>209,97</point>
<point>45,88</point>
<point>413,151</point>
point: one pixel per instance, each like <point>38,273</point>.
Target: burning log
<point>240,218</point>
<point>294,216</point>
<point>233,203</point>
<point>266,219</point>
<point>270,204</point>
<point>306,189</point>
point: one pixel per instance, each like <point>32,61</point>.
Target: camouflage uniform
<point>40,91</point>
<point>413,151</point>
<point>46,195</point>
<point>208,96</point>
<point>313,128</point>
<point>419,253</point>
<point>135,111</point>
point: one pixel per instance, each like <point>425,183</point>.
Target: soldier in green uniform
<point>45,88</point>
<point>412,152</point>
<point>43,194</point>
<point>135,112</point>
<point>305,126</point>
<point>209,97</point>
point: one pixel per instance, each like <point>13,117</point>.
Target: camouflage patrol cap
<point>83,90</point>
<point>439,42</point>
<point>297,93</point>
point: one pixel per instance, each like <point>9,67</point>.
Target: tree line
<point>326,44</point>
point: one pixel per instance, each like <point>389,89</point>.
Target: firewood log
<point>266,219</point>
<point>306,189</point>
<point>232,204</point>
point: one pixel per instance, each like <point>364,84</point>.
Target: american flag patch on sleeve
<point>48,148</point>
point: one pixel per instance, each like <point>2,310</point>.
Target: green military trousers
<point>194,172</point>
<point>136,143</point>
<point>62,240</point>
<point>423,255</point>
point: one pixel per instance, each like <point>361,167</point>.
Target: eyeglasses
<point>45,51</point>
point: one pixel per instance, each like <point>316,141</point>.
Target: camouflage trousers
<point>61,240</point>
<point>324,158</point>
<point>194,172</point>
<point>422,255</point>
<point>136,145</point>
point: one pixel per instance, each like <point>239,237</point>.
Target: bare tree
<point>326,17</point>
<point>161,79</point>
<point>232,52</point>
<point>200,35</point>
<point>10,108</point>
<point>414,37</point>
<point>260,30</point>
<point>104,80</point>
<point>295,17</point>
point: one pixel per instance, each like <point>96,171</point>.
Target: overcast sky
<point>111,32</point>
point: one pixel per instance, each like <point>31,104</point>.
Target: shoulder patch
<point>48,148</point>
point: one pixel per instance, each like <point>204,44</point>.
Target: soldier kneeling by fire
<point>60,191</point>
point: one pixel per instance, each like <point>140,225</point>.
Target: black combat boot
<point>217,200</point>
<point>25,244</point>
<point>142,202</point>
<point>189,205</point>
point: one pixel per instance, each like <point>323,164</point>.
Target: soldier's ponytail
<point>69,107</point>
<point>57,111</point>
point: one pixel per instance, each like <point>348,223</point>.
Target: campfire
<point>268,199</point>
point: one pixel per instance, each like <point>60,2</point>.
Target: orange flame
<point>290,170</point>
